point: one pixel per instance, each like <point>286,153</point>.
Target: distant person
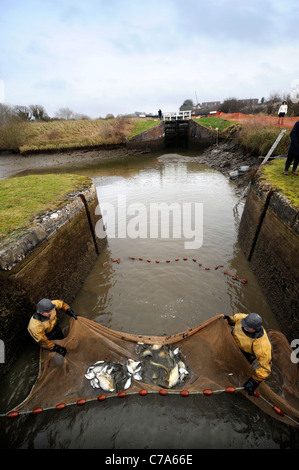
<point>283,109</point>
<point>293,152</point>
<point>43,325</point>
<point>253,341</point>
<point>160,114</point>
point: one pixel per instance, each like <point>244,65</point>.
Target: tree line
<point>233,105</point>
<point>35,112</point>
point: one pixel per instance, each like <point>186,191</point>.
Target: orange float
<point>230,389</point>
<point>12,414</point>
<point>142,392</point>
<point>101,397</point>
<point>81,402</point>
<point>37,410</point>
<point>278,410</point>
<point>60,406</point>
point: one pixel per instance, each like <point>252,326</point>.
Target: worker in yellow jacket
<point>43,325</point>
<point>253,341</point>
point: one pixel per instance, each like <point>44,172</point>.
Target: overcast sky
<point>120,56</point>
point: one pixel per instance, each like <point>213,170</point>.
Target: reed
<point>257,138</point>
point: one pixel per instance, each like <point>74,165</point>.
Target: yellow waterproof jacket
<point>38,329</point>
<point>258,348</point>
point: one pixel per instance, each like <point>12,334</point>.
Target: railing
<point>176,115</point>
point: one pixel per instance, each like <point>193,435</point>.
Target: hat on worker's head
<point>253,320</point>
<point>44,305</point>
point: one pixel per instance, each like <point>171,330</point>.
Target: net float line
<point>206,268</point>
<point>143,392</point>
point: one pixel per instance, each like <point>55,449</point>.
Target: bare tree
<point>38,112</point>
<point>64,113</point>
<point>23,112</point>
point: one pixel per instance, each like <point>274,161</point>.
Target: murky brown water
<point>141,297</point>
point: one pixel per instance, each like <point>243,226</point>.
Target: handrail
<point>176,115</point>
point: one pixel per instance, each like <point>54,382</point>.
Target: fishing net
<point>210,356</point>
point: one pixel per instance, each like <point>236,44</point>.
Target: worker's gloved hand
<point>59,349</point>
<point>226,317</point>
<point>71,313</point>
<point>250,386</point>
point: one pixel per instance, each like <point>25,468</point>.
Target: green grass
<point>214,122</point>
<point>287,185</point>
<point>142,126</point>
<point>23,198</point>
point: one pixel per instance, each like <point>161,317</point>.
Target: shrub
<point>13,135</point>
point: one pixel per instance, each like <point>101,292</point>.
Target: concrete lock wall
<point>51,260</point>
<point>269,237</point>
<point>152,139</point>
<point>156,138</point>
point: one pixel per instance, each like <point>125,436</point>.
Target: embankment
<point>269,236</point>
<point>50,259</point>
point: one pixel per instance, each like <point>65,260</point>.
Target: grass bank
<point>257,139</point>
<point>24,198</point>
<point>287,185</point>
<point>215,122</point>
<point>27,137</point>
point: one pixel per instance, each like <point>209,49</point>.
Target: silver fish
<point>100,369</point>
<point>155,347</point>
<point>90,375</point>
<point>106,383</point>
<point>173,376</point>
<point>183,372</point>
<point>94,383</point>
<point>132,365</point>
<point>128,383</point>
<point>137,376</point>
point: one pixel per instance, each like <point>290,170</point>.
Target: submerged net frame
<point>214,361</point>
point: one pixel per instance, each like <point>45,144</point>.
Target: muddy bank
<point>227,157</point>
<point>11,163</point>
<point>224,157</point>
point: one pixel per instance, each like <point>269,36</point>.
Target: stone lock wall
<point>51,260</point>
<point>269,236</point>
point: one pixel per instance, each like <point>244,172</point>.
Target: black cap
<point>44,305</point>
<point>253,320</point>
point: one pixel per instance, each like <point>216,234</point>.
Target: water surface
<point>156,298</point>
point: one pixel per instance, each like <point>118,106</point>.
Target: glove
<point>59,349</point>
<point>226,317</point>
<point>250,386</point>
<point>70,313</point>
